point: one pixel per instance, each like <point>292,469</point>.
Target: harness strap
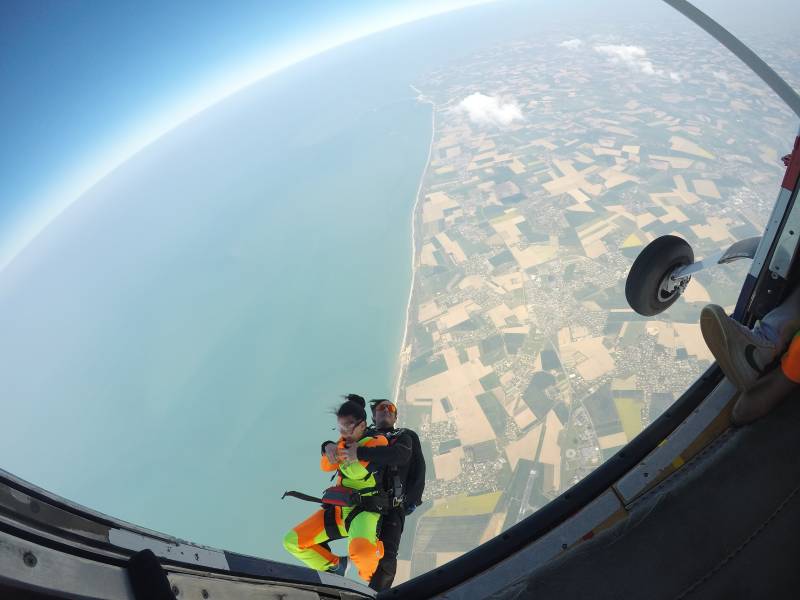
<point>357,511</point>
<point>336,495</point>
<point>353,514</point>
<point>301,496</point>
<point>329,519</point>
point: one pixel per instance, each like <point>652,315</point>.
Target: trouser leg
<point>364,548</point>
<point>308,542</point>
<point>391,530</point>
<point>781,323</point>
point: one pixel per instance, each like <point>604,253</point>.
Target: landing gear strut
<point>665,267</point>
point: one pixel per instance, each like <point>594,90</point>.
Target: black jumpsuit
<point>403,457</point>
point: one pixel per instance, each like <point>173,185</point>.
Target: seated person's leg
<point>743,354</point>
<point>771,389</point>
<point>306,542</point>
<point>782,322</point>
<point>364,548</point>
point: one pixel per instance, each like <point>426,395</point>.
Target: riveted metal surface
<point>770,231</point>
<point>32,566</point>
<point>49,519</point>
<point>176,551</point>
<point>660,460</point>
<point>787,243</point>
<point>343,582</point>
<point>22,505</point>
<point>48,497</point>
<point>193,586</point>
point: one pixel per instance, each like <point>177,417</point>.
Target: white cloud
<point>571,44</point>
<point>635,57</point>
<point>721,75</point>
<point>490,110</point>
<point>676,77</point>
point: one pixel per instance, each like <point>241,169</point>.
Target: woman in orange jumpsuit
<point>308,541</point>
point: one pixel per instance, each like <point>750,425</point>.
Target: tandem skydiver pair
<point>381,477</point>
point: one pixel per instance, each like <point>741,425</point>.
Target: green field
<point>464,506</point>
<point>630,414</point>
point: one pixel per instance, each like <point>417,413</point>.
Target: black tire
<point>654,263</point>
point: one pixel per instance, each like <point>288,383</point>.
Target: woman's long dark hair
<point>353,406</point>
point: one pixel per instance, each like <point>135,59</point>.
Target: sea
<point>175,343</point>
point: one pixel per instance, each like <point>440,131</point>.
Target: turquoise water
<point>172,346</point>
<point>181,334</point>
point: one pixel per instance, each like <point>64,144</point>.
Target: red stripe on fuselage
<point>793,170</point>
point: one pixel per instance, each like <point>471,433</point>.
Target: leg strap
<point>329,519</point>
<point>353,514</point>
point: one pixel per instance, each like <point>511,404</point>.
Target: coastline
<point>405,351</point>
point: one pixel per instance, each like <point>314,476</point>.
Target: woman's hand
<point>347,454</point>
<point>330,453</point>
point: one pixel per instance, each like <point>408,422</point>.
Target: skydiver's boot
<point>770,390</point>
<point>341,567</point>
<point>743,354</point>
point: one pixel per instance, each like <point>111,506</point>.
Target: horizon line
<point>80,183</point>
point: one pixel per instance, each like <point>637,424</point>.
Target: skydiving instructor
<point>401,470</point>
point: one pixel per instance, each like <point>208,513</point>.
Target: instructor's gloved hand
<point>410,509</point>
<point>330,452</point>
<point>347,454</point>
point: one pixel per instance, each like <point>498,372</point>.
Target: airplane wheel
<point>644,287</point>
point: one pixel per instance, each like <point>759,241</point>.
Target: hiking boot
<point>760,399</point>
<point>341,568</point>
<point>742,354</point>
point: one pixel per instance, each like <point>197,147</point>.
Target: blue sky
<point>86,83</point>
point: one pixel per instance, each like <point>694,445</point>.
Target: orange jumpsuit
<point>308,541</point>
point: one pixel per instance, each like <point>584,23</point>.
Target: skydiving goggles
<point>383,405</point>
<point>349,428</point>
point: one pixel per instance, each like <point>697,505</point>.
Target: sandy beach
<point>405,351</point>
